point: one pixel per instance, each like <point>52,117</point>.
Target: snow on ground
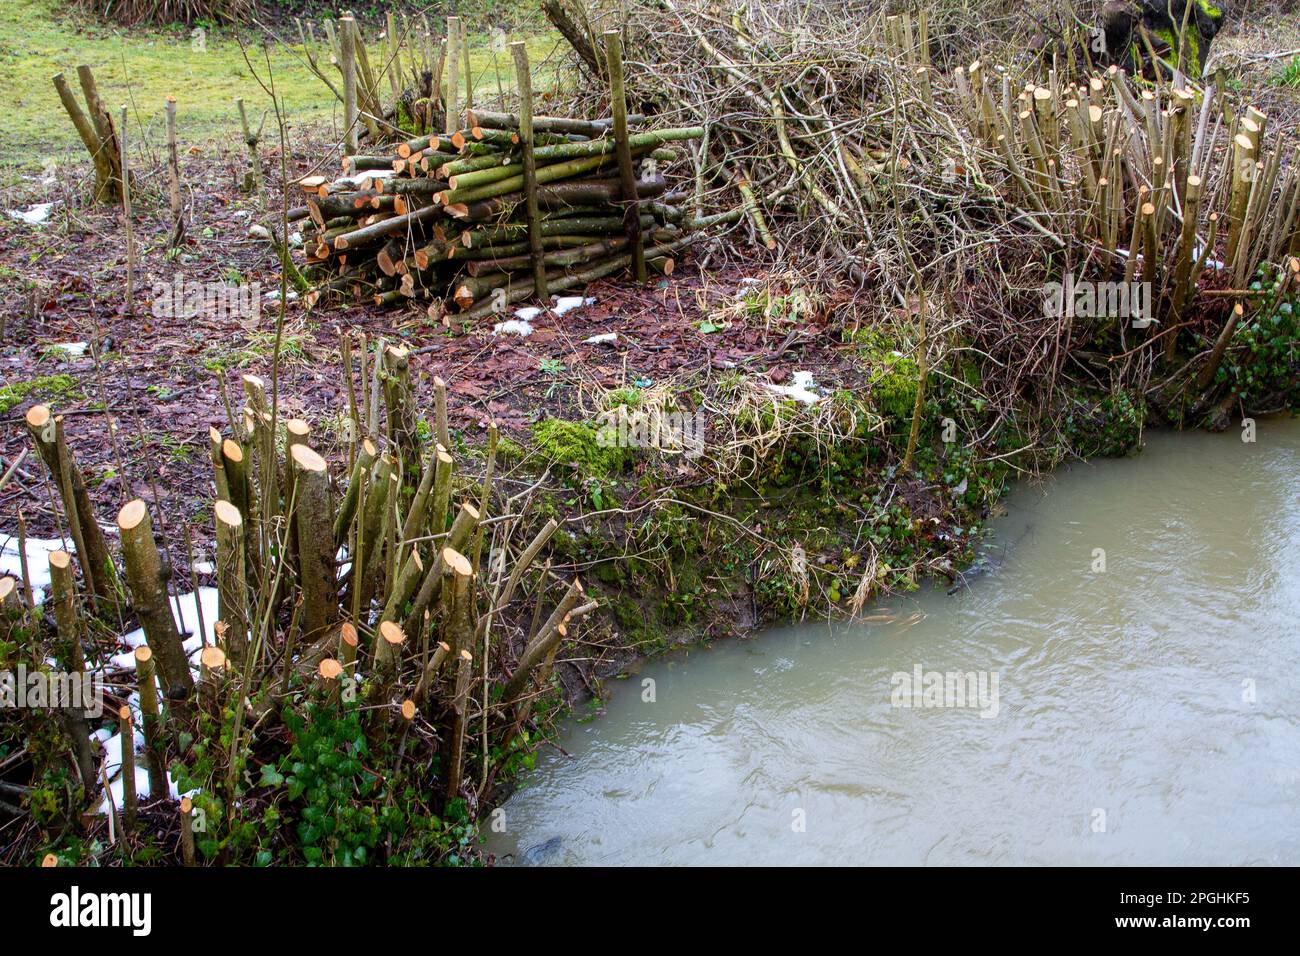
<point>71,349</point>
<point>38,561</point>
<point>800,389</point>
<point>522,324</point>
<point>188,622</point>
<point>110,741</point>
<point>37,215</point>
<point>520,327</point>
<point>567,303</point>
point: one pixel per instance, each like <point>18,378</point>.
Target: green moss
<point>893,376</point>
<point>574,444</point>
<point>49,387</point>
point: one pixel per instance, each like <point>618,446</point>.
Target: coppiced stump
<point>148,586</point>
<point>313,517</point>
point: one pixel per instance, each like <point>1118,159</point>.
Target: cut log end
<point>392,633</point>
<point>227,513</point>
<point>307,458</point>
<point>456,562</point>
<point>132,513</point>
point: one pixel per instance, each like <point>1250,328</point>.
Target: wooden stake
<point>519,51</point>
<point>126,217</point>
<point>174,176</point>
<point>347,46</point>
<point>451,105</point>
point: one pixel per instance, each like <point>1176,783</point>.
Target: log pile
<point>502,208</point>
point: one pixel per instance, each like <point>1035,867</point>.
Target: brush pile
<point>845,140</point>
<point>446,219</point>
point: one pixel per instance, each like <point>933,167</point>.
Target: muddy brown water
<point>1142,714</point>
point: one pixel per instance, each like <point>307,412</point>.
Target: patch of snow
<point>116,788</point>
<point>38,561</point>
<point>37,215</point>
<point>605,338</point>
<point>800,389</point>
<point>188,624</point>
<point>274,296</point>
<point>72,349</point>
<point>567,303</point>
<point>520,327</point>
<point>113,749</point>
<point>528,313</point>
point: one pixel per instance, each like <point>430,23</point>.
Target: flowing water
<point>1142,714</point>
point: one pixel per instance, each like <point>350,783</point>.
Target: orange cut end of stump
<point>408,709</point>
<point>458,563</point>
<point>37,415</point>
<point>330,669</point>
<point>307,459</point>
<point>124,714</point>
<point>186,805</point>
<point>213,658</point>
<point>143,655</point>
<point>392,632</point>
<point>132,513</point>
<point>348,633</point>
<point>49,860</point>
<point>60,559</point>
<point>227,513</point>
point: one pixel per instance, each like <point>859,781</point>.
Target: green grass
<point>39,38</point>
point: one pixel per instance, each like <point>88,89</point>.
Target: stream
<point>1141,714</point>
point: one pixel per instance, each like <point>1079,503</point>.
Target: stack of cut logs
<point>446,219</point>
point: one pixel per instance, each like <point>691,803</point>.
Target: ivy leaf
<point>270,776</point>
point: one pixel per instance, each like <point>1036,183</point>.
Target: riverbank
<point>1116,677</point>
<point>773,432</point>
